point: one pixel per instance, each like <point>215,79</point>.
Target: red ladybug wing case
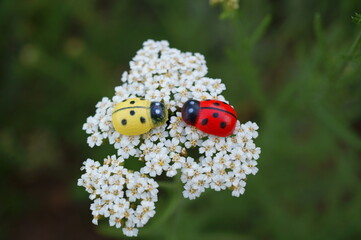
<point>217,118</point>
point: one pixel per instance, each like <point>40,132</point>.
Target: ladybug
<point>210,116</point>
<point>135,116</point>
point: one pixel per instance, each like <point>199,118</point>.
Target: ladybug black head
<point>190,111</point>
<point>158,113</point>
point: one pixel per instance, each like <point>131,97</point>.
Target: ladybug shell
<point>131,117</point>
<point>210,116</point>
<point>135,116</point>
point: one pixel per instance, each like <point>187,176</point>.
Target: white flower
<point>173,145</point>
<point>239,172</point>
<point>237,155</point>
<point>218,86</point>
<point>250,167</point>
<point>252,128</point>
<point>105,123</point>
<point>221,158</point>
<point>91,125</point>
<point>97,206</point>
<point>239,189</point>
<point>121,205</point>
<point>116,219</point>
<point>103,105</point>
<point>177,160</point>
<point>207,148</point>
<point>95,139</point>
<point>218,182</point>
<point>202,181</point>
<point>95,219</point>
<point>171,171</point>
<point>130,230</point>
<point>192,143</point>
<point>159,134</point>
<point>155,164</point>
<point>90,164</point>
<point>127,151</point>
<point>191,191</point>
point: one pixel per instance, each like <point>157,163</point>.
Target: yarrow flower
<point>161,73</point>
<point>127,198</point>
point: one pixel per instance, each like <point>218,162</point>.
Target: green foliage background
<point>291,66</point>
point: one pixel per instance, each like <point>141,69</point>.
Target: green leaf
<point>318,30</point>
<point>262,27</point>
<point>337,127</point>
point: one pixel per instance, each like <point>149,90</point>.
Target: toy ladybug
<point>210,116</point>
<point>135,116</point>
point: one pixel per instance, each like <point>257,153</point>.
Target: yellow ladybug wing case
<point>132,117</point>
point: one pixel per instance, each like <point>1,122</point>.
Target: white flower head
<point>122,195</point>
<point>161,73</point>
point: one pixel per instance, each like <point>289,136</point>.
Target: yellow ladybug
<point>135,116</point>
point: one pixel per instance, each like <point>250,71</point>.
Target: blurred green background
<point>291,66</point>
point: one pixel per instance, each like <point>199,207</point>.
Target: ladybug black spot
<point>124,100</point>
<point>216,104</point>
<point>223,124</point>
<point>204,121</point>
<point>124,122</point>
<point>142,119</point>
<point>132,102</point>
<point>215,115</point>
<point>132,112</point>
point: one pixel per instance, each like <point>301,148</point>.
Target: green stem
<point>168,211</point>
<point>175,190</point>
<point>349,56</point>
<point>355,44</point>
<point>166,185</point>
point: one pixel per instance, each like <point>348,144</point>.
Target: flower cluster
<point>223,162</point>
<point>161,73</point>
<point>126,198</point>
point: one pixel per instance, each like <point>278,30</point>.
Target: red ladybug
<point>210,116</point>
